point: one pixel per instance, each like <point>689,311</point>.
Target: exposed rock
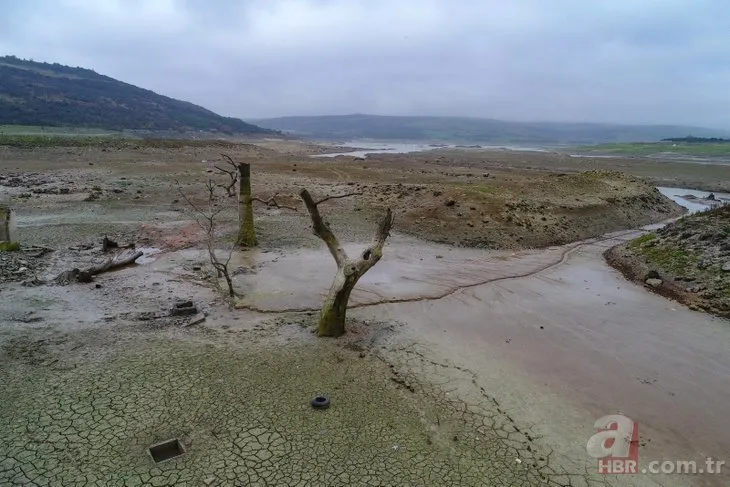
<point>653,274</point>
<point>690,250</point>
<point>183,308</point>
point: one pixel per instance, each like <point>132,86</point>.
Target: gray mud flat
<point>94,376</point>
<point>460,365</point>
<point>556,335</point>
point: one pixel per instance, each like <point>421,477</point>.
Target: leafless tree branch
<point>232,174</point>
<point>210,186</point>
<point>273,203</point>
<point>206,220</point>
<point>322,229</point>
<point>327,198</point>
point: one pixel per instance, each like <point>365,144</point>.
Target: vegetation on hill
<point>108,142</point>
<point>33,93</point>
<point>688,260</point>
<point>473,130</point>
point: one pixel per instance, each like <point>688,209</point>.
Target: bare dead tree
<point>349,271</point>
<point>210,186</point>
<point>240,173</point>
<point>207,221</point>
<point>232,174</point>
<point>246,230</point>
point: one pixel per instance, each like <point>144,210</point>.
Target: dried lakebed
<point>462,367</point>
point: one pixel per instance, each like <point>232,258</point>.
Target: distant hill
<point>475,130</point>
<point>33,93</point>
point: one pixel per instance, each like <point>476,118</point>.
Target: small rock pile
<point>20,266</point>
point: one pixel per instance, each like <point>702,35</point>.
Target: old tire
<point>320,402</point>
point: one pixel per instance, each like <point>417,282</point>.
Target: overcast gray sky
<point>627,61</point>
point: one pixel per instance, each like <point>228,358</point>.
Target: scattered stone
<point>450,202</point>
<point>243,270</point>
<point>692,251</point>
<point>195,320</point>
<point>183,308</point>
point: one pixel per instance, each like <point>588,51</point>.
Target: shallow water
<point>381,148</point>
<point>676,195</point>
<point>371,147</point>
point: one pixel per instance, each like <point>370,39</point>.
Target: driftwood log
<point>124,258</point>
<point>349,271</point>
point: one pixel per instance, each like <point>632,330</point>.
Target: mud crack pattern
<point>243,414</point>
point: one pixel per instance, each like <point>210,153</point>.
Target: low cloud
<point>568,60</point>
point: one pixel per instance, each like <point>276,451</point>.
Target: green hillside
<point>33,93</point>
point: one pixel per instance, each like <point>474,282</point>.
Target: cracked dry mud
<point>241,408</point>
<point>87,386</point>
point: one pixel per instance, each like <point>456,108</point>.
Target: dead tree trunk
<point>122,259</point>
<point>246,231</point>
<point>349,271</point>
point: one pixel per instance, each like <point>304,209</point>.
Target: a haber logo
<point>615,445</point>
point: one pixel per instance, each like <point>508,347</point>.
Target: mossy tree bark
<point>349,271</point>
<point>246,232</point>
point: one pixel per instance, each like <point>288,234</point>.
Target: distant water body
<point>678,196</point>
<point>377,147</point>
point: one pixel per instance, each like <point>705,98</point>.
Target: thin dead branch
<point>210,186</point>
<point>232,174</point>
<point>327,198</point>
<point>271,202</point>
<point>206,220</point>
